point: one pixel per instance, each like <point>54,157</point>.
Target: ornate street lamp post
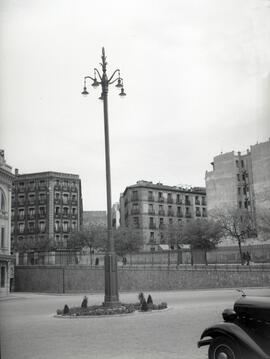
<point>110,259</point>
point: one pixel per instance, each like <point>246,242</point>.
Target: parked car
<point>244,333</point>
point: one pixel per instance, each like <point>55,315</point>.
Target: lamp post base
<point>111,281</point>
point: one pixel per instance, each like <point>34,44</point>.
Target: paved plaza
<point>29,329</point>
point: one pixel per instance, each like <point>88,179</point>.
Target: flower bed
<point>97,310</point>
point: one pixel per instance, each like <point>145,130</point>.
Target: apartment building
<point>6,259</point>
<point>46,208</point>
<point>240,180</point>
<point>152,209</point>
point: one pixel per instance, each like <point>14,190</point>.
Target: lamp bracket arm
<point>98,73</point>
<point>88,77</point>
<point>113,75</point>
<point>115,80</point>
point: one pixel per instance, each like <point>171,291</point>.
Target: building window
<point>65,198</point>
<point>152,237</point>
<point>178,198</point>
<point>21,199</point>
<point>169,198</point>
<point>21,227</point>
<point>74,225</point>
<point>74,211</point>
<point>57,210</point>
<point>2,201</point>
<point>65,226</point>
<point>21,213</point>
<point>240,204</point>
<point>150,196</point>
<point>242,164</point>
<point>160,196</point>
<point>31,197</point>
<point>56,226</point>
<point>238,177</point>
<point>170,221</point>
<point>31,212</point>
<point>239,190</point>
<point>136,222</point>
<point>74,198</point>
<point>57,195</point>
<point>42,211</point>
<point>3,277</point>
<point>2,237</point>
<point>204,212</point>
<point>243,176</point>
<point>151,208</point>
<point>65,211</point>
<point>42,226</point>
<point>237,163</point>
<point>134,196</point>
<point>31,226</point>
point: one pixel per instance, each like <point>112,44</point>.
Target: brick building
<point>151,209</point>
<point>46,208</point>
<point>240,180</point>
<point>6,259</point>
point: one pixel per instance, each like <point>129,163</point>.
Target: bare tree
<point>127,241</point>
<point>236,224</point>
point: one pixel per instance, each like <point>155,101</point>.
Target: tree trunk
<point>240,250</point>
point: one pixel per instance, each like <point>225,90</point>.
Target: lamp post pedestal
<point>111,280</point>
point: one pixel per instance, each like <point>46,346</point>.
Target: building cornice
<point>159,187</point>
<point>48,174</point>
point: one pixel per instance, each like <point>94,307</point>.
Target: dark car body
<point>245,332</point>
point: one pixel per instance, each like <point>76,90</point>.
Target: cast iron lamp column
<point>110,259</point>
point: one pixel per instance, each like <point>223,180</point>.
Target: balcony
<point>204,214</point>
<point>203,203</point>
<point>180,214</point>
<point>65,188</point>
<point>152,226</point>
<point>31,216</point>
<point>179,201</point>
<point>73,189</point>
<point>170,213</point>
<point>42,187</point>
<point>135,211</point>
<point>57,201</point>
<point>74,216</point>
<point>42,215</point>
<point>198,214</point>
<point>134,198</point>
<point>151,211</point>
<point>21,189</point>
<point>169,200</point>
<point>162,226</point>
<point>42,200</point>
<point>151,198</point>
<point>57,215</point>
<point>187,202</point>
<point>74,202</point>
<point>21,217</point>
<point>21,202</point>
<point>161,199</point>
<point>188,215</point>
<point>65,215</point>
<point>197,202</point>
<point>161,212</point>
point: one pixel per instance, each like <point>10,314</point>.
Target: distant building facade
<point>6,259</point>
<point>240,180</point>
<point>46,207</point>
<point>152,209</point>
<point>94,218</point>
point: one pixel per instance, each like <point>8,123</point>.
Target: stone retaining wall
<point>68,279</point>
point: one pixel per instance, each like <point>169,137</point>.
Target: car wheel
<point>224,348</point>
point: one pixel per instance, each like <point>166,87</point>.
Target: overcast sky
<point>196,74</point>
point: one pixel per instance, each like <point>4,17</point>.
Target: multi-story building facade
<point>46,208</point>
<point>152,209</point>
<point>240,180</point>
<point>6,259</point>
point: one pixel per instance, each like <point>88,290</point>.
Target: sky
<point>196,74</point>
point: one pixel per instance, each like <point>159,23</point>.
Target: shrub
<point>59,312</point>
<point>149,299</point>
<point>84,302</point>
<point>144,306</point>
<point>66,309</point>
<point>141,298</point>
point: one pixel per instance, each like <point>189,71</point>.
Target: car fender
<point>234,331</point>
